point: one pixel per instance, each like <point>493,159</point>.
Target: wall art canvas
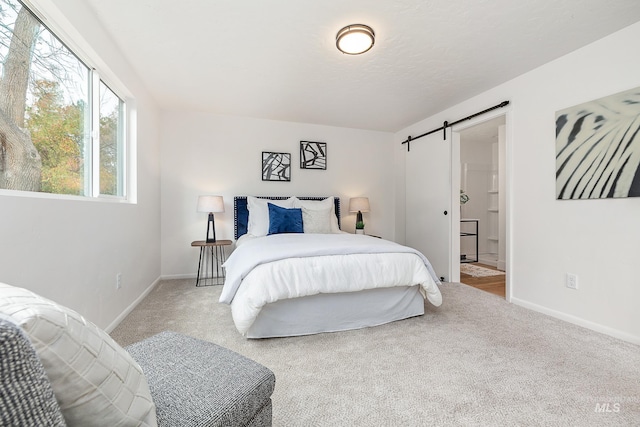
<point>598,148</point>
<point>313,155</point>
<point>276,166</point>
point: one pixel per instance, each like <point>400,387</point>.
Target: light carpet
<point>479,271</point>
<point>475,361</point>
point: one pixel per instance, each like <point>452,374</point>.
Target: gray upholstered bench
<point>197,383</point>
<point>58,369</point>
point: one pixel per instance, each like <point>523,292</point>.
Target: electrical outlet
<point>572,281</point>
<point>118,281</point>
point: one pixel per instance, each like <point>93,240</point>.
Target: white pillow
<point>316,221</point>
<point>319,205</point>
<point>93,378</point>
<point>259,214</point>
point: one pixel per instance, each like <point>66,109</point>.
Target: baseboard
<point>177,276</point>
<point>578,321</point>
<point>488,260</point>
<point>133,305</point>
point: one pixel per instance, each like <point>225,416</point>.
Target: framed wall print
<point>276,166</point>
<point>313,155</point>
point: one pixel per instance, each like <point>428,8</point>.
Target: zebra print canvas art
<point>598,148</point>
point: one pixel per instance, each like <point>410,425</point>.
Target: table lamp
<point>359,205</point>
<point>210,204</point>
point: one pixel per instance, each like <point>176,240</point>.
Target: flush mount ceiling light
<point>355,39</point>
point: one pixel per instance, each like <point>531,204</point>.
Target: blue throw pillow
<point>283,220</point>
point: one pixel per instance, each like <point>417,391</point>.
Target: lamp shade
<point>359,204</point>
<point>210,204</point>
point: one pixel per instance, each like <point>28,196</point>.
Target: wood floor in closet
<point>492,284</point>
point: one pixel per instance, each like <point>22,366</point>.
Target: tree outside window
<point>47,117</point>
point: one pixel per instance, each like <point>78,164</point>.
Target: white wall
<point>595,239</point>
<point>213,154</point>
<point>70,250</point>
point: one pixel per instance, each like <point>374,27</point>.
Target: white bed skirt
<point>337,312</point>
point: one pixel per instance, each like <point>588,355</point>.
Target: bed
<point>314,278</point>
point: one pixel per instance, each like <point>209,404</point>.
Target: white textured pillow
<point>315,205</point>
<point>259,214</point>
<point>94,379</point>
<point>316,221</point>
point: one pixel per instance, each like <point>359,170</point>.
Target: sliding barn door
<point>429,193</point>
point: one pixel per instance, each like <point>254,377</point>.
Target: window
<point>62,129</point>
<point>111,116</point>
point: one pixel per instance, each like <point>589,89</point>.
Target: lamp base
<point>211,226</point>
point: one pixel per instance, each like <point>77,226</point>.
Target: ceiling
<point>277,59</point>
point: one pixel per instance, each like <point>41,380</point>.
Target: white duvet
<point>267,269</point>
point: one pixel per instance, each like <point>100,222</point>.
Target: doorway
<point>483,213</point>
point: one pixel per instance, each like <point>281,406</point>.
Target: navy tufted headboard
<point>241,213</point>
